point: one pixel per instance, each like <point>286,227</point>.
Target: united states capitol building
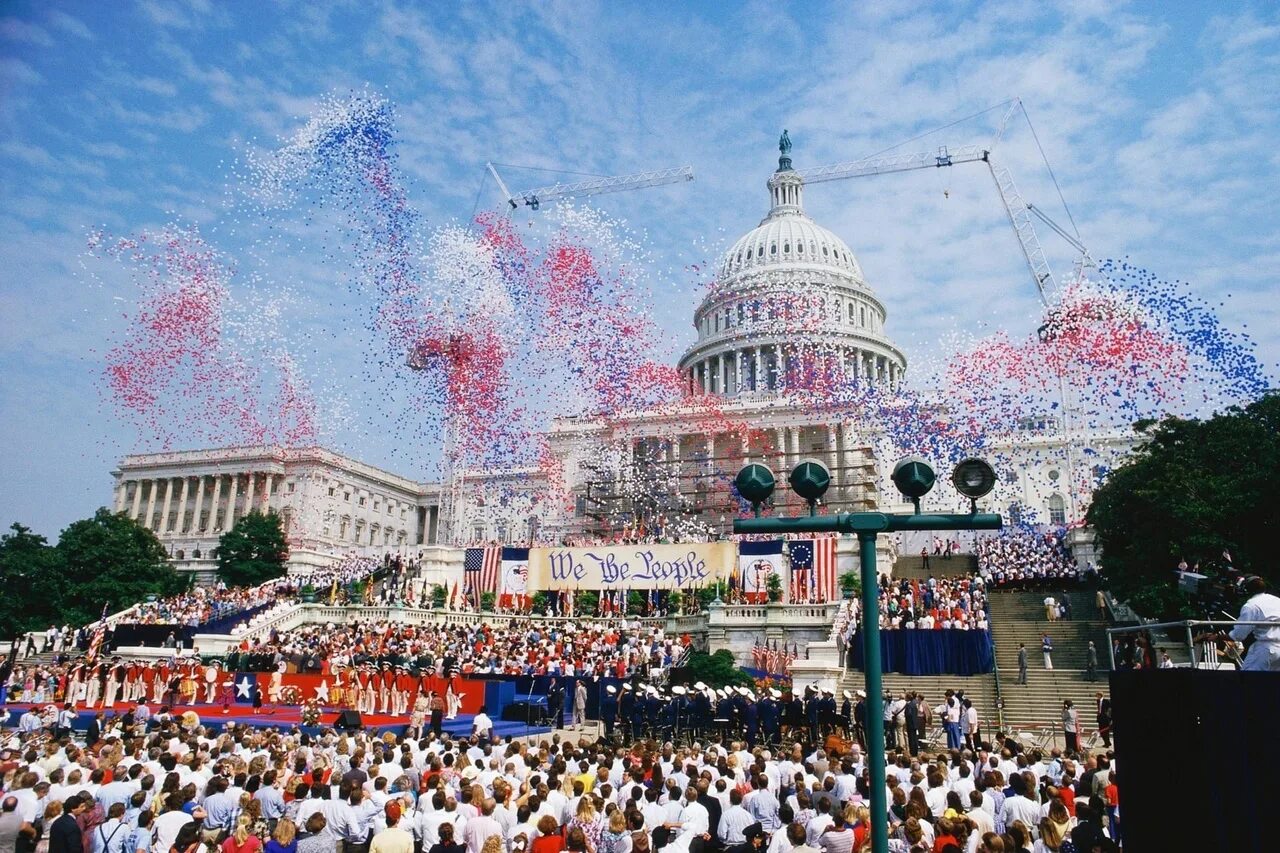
<point>663,470</point>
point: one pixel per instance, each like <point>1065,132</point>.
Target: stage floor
<point>288,716</point>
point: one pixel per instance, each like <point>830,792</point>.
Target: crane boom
<point>895,163</point>
<point>1016,207</point>
<point>597,186</point>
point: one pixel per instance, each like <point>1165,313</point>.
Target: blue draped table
<point>922,651</point>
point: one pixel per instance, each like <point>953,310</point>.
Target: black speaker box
<point>349,720</point>
<point>1196,736</point>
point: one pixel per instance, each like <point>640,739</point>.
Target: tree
<point>29,576</point>
<point>253,551</point>
<point>717,670</point>
<point>109,560</point>
<point>850,584</point>
<point>1193,490</point>
<point>773,586</point>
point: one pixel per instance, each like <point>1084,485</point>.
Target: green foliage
<point>253,550</point>
<point>717,670</point>
<point>438,595</point>
<point>487,600</point>
<point>540,601</point>
<point>1192,489</point>
<point>110,559</point>
<point>773,587</point>
<point>706,595</point>
<point>851,584</point>
<point>29,577</point>
<point>635,602</point>
<point>586,602</point>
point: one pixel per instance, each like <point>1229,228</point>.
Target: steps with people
<point>912,566</point>
<point>1019,617</point>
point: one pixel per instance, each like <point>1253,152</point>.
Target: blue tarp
<point>916,651</point>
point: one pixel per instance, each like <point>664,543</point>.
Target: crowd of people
<point>600,647</point>
<point>165,786</point>
<point>382,667</point>
<point>934,604</point>
<point>1021,559</point>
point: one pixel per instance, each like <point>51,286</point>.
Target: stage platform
<point>286,717</point>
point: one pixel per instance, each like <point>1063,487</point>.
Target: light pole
<point>973,478</point>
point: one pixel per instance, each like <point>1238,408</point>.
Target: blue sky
<point>1160,121</point>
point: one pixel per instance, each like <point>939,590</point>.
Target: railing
<point>1192,629</point>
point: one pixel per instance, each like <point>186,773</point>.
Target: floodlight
<point>914,477</point>
<point>973,478</point>
<point>755,483</point>
<point>810,479</point>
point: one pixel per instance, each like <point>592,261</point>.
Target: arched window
<point>1057,509</point>
<point>195,555</point>
<point>181,555</point>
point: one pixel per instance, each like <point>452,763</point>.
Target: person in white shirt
<point>1262,606</point>
<point>734,821</point>
<point>111,835</point>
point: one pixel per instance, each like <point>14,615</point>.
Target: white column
<point>758,384</point>
<point>121,488</point>
<point>181,526</point>
<point>213,506</point>
<point>722,368</point>
<point>199,507</point>
<point>782,452</point>
<point>137,499</point>
<point>250,496</point>
<point>706,376</point>
<point>832,458</point>
<point>232,497</point>
<point>151,504</point>
<point>795,447</point>
<point>164,509</point>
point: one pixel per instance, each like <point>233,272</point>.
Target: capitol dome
<point>789,304</point>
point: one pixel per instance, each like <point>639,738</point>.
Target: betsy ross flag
<point>813,570</point>
<point>480,568</point>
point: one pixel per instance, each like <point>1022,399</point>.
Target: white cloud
<point>14,29</point>
<point>70,25</point>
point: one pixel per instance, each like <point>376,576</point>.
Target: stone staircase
<point>912,566</point>
<point>1019,617</point>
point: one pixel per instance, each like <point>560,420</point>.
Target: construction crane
<point>535,198</point>
<point>1021,212</point>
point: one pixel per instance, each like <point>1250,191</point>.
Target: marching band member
<point>212,677</point>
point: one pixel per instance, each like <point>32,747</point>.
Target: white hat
<point>846,694</point>
<point>862,694</point>
<point>611,690</point>
<point>699,686</point>
<point>775,693</point>
<point>679,690</point>
<point>470,772</point>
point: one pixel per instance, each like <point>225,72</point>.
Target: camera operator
<point>1262,642</point>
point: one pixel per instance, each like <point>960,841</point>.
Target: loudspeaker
<point>1202,726</point>
<point>349,720</point>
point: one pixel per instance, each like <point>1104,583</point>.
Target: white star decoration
<point>322,691</point>
<point>244,687</point>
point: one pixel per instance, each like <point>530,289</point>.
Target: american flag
<point>481,567</point>
<point>99,634</point>
<point>813,569</point>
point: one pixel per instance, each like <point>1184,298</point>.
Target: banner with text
<point>631,566</point>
